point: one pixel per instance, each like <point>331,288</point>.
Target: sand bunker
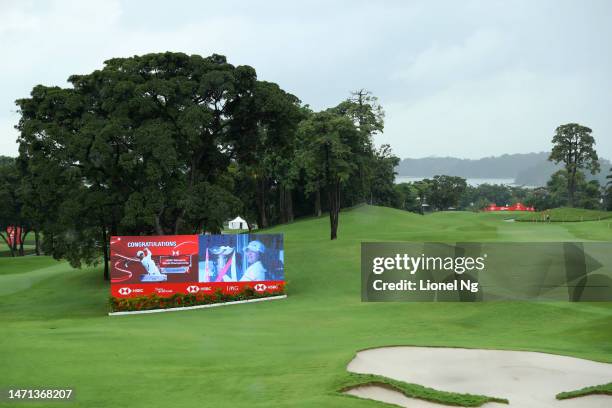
<point>526,379</point>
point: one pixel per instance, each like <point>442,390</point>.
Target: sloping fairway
<point>566,215</point>
<point>291,352</point>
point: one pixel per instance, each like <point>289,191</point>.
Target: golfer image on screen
<point>148,262</point>
<point>255,270</point>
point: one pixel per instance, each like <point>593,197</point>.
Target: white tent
<point>238,223</point>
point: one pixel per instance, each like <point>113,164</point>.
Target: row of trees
<point>573,146</point>
<point>14,216</point>
<point>587,194</point>
<point>170,143</point>
<point>438,193</point>
<point>447,192</point>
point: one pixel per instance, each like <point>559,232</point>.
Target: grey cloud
<point>469,78</point>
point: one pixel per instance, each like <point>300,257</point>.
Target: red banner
<point>13,235</point>
<point>194,288</point>
<point>167,259</point>
<point>515,207</point>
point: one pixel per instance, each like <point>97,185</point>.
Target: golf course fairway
<point>287,353</point>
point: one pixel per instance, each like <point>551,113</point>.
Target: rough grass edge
<point>416,391</point>
<point>604,389</point>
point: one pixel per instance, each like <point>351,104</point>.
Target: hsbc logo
<point>260,287</point>
<point>193,289</point>
<point>125,291</point>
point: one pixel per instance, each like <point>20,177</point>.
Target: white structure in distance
<point>238,224</point>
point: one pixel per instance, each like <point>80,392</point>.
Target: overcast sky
<point>456,78</point>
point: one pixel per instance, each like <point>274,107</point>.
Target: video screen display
<point>241,258</point>
<point>165,265</point>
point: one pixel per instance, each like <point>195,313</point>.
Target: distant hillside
<point>506,166</point>
<point>539,174</point>
<point>532,169</point>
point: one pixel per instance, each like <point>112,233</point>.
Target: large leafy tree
<point>573,145</point>
<point>328,143</point>
<point>587,193</point>
<point>445,191</point>
<point>406,196</point>
<point>366,113</point>
<point>145,144</point>
<point>268,124</point>
<point>383,166</point>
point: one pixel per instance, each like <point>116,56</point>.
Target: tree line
<point>441,193</point>
<point>573,148</point>
<point>171,143</point>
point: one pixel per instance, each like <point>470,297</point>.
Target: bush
<point>153,301</point>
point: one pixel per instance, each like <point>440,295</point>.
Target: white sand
<point>526,379</point>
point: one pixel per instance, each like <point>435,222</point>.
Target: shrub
<point>153,301</point>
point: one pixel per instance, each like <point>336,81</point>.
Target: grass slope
<point>25,264</point>
<point>565,214</point>
<point>287,353</point>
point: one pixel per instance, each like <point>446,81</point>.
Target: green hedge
<point>153,301</point>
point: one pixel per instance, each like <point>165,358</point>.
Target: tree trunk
<point>282,205</point>
<point>289,205</point>
<point>21,241</point>
<point>177,224</point>
<point>318,202</point>
<point>334,208</point>
<point>105,251</point>
<point>261,204</point>
<point>14,243</point>
<point>571,187</point>
<point>37,242</point>
<point>51,239</point>
<point>158,227</point>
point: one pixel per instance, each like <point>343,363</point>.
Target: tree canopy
<point>573,145</point>
<point>172,143</point>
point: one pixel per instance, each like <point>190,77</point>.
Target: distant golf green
<point>283,353</point>
<point>566,215</point>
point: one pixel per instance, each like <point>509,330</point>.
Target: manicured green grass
<point>605,389</point>
<point>286,353</point>
<point>566,215</point>
<point>25,264</point>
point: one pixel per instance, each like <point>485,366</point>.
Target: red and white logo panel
<point>167,289</point>
<point>193,289</point>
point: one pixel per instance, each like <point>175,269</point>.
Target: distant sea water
<point>474,182</point>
